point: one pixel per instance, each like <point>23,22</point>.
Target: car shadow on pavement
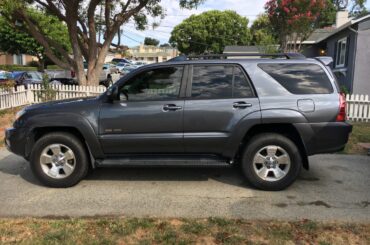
<point>226,175</point>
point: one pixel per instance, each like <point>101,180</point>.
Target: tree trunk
<point>41,67</point>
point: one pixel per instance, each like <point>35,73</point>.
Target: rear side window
<point>300,78</point>
<point>218,82</point>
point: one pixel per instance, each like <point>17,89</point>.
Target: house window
<point>18,59</point>
<point>340,60</point>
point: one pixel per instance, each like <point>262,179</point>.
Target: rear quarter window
<point>299,78</point>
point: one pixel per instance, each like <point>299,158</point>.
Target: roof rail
<point>221,56</point>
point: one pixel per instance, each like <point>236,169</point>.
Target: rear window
<point>300,78</point>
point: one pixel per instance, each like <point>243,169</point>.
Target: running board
<point>163,161</point>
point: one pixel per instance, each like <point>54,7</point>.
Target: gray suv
<point>265,115</point>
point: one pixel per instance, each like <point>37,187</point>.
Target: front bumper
<point>15,140</point>
<point>324,137</point>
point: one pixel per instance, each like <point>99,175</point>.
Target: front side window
<point>156,84</point>
<point>340,59</point>
<point>299,78</point>
<point>219,82</point>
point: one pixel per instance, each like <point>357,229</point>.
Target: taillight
<point>342,116</point>
<point>73,74</point>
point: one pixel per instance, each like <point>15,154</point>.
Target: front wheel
<point>271,162</point>
<point>59,160</point>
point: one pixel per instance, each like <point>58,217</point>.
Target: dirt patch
<point>6,120</point>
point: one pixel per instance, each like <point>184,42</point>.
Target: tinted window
<point>156,84</point>
<point>300,78</point>
<point>212,82</point>
<point>242,88</point>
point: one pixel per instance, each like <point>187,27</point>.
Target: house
<point>152,54</point>
<point>348,43</point>
<point>15,59</point>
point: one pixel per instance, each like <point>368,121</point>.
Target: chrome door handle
<point>171,107</point>
<point>241,105</point>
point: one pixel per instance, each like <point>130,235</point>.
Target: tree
<point>165,45</point>
<point>210,32</point>
<point>294,20</point>
<point>14,40</point>
<point>357,7</point>
<point>151,41</point>
<point>80,19</point>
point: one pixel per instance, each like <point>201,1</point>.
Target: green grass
<point>360,133</point>
<point>178,231</point>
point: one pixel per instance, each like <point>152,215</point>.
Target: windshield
<point>34,75</point>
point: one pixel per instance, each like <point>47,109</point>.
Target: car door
<point>217,99</point>
<point>148,115</point>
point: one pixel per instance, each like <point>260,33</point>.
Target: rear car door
<point>148,117</point>
<point>218,97</point>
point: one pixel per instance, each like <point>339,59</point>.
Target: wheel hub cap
<point>271,163</point>
<point>57,161</point>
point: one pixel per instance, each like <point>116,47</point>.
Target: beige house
<point>15,59</point>
<point>152,54</point>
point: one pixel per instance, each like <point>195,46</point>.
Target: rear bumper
<point>15,140</point>
<point>326,137</point>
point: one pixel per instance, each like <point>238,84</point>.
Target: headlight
<point>19,114</point>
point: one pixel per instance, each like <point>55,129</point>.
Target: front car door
<point>218,98</point>
<point>148,115</point>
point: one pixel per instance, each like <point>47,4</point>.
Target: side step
<point>164,161</point>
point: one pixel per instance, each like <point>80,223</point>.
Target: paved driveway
<point>336,188</point>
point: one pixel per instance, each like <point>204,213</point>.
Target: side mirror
<point>112,93</point>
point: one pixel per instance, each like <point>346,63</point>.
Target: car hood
<point>67,104</point>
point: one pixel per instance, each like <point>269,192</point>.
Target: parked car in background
<point>59,77</point>
<point>6,78</point>
<point>105,76</point>
<point>122,65</point>
<point>120,60</point>
<point>126,70</point>
<point>26,78</point>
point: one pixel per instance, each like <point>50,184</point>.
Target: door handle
<point>171,107</point>
<point>241,105</point>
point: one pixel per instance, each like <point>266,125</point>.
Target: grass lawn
<point>179,231</point>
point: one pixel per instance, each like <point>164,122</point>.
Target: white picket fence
<point>358,106</point>
<point>10,98</point>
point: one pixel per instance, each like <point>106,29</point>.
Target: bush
<point>33,63</point>
<point>47,93</point>
<point>7,85</point>
<point>17,68</point>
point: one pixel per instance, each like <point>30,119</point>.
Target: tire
<point>277,171</point>
<point>73,164</point>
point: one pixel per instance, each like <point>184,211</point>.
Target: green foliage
<point>151,41</point>
<point>15,39</point>
<point>17,68</point>
<point>210,32</point>
<point>47,93</point>
<point>263,35</point>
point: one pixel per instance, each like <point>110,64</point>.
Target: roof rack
<point>224,56</point>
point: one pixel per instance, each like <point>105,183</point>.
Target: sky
<point>175,15</point>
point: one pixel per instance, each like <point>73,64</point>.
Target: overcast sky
<point>174,16</point>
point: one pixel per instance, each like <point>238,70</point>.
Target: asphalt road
<point>336,188</point>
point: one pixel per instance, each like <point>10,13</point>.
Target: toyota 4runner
<point>266,115</point>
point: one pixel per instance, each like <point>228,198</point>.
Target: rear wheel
<point>59,160</point>
<point>271,162</point>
